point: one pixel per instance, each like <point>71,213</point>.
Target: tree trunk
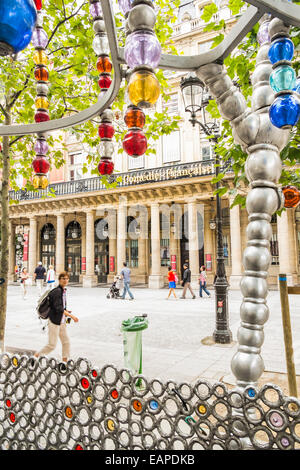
<point>4,234</point>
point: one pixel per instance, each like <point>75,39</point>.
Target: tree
<point>73,78</point>
<point>240,64</point>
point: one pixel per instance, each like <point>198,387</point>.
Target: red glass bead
<point>38,4</point>
<point>104,64</point>
<point>104,80</point>
<point>106,167</point>
<point>106,131</point>
<point>78,447</point>
<point>12,417</point>
<point>114,394</point>
<point>85,383</point>
<point>8,403</point>
<point>135,143</point>
<point>41,74</point>
<point>41,165</point>
<point>41,116</point>
<point>291,196</point>
<point>134,117</point>
<point>94,373</point>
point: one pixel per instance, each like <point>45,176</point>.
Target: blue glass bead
<point>285,111</point>
<point>283,78</point>
<point>251,392</point>
<point>281,49</point>
<point>17,21</point>
<point>153,405</point>
<point>297,87</point>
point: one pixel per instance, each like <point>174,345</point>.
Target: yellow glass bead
<point>202,409</point>
<point>44,182</point>
<point>41,103</point>
<point>40,58</point>
<point>143,89</point>
<point>15,361</point>
<point>89,400</point>
<point>110,425</point>
<point>36,182</point>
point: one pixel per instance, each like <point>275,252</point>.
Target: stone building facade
<point>159,215</point>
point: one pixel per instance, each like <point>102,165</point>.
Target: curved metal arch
<point>104,99</point>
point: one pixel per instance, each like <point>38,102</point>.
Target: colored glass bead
<point>251,393</point>
<point>137,405</point>
<point>40,38</point>
<point>41,102</point>
<point>135,143</point>
<point>143,89</point>
<point>283,78</point>
<point>276,419</point>
<point>41,165</point>
<point>17,21</point>
<point>142,48</point>
<point>134,117</point>
<point>85,383</point>
<point>281,49</point>
<point>291,196</point>
<point>115,394</point>
<point>263,33</point>
<point>95,10</point>
<point>106,148</point>
<point>153,405</point>
<point>40,182</point>
<point>285,111</point>
<point>106,131</point>
<point>105,167</point>
<point>100,44</point>
<point>41,147</point>
<point>41,116</point>
<point>41,74</point>
<point>297,86</point>
<point>40,57</point>
<point>110,425</point>
<point>104,81</point>
<point>104,64</point>
<point>124,6</point>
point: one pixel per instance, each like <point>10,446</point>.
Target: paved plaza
<point>172,345</point>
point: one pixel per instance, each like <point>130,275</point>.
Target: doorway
<point>101,250</point>
<point>73,251</point>
<point>184,241</point>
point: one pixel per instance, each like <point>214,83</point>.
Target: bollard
<point>287,332</point>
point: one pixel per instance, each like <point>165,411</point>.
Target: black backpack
<point>43,306</point>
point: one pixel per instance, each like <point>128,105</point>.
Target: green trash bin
<point>132,341</point>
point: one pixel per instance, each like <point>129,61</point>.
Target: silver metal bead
<point>259,230</point>
<point>141,17</point>
<point>42,88</point>
<point>254,287</point>
<point>263,165</point>
<point>247,367</point>
<point>231,105</point>
<point>277,28</point>
<point>99,26</point>
<point>256,258</point>
<point>256,313</point>
<point>262,200</point>
<point>261,73</point>
<point>252,338</point>
<point>262,97</point>
<point>107,115</point>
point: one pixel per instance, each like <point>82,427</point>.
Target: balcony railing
<point>132,178</point>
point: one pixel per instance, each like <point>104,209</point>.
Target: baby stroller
<point>114,291</point>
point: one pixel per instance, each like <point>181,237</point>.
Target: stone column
<point>286,246</point>
<point>209,244</point>
<point>11,252</point>
<point>60,244</point>
<point>32,245</point>
<point>236,247</point>
<point>90,279</point>
<point>155,279</point>
<point>112,241</point>
<point>121,236</point>
<point>193,242</point>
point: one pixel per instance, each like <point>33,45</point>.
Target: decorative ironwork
<point>45,404</point>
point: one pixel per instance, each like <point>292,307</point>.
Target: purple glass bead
<point>142,48</point>
<point>40,38</point>
<point>263,33</point>
<point>125,6</point>
<point>95,10</point>
<point>41,147</point>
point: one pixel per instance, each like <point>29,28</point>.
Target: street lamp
<point>195,99</point>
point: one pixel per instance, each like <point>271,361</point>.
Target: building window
<point>132,253</point>
<point>206,152</point>
<point>171,147</point>
<point>134,163</point>
<point>76,161</point>
<point>164,252</point>
<point>274,249</point>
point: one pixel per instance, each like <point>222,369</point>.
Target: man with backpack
<point>58,316</point>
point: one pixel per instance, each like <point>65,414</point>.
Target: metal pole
<point>222,333</point>
<point>287,332</point>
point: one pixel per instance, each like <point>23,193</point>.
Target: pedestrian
<point>202,281</point>
<point>39,277</point>
<point>125,274</point>
<point>58,316</point>
<point>24,277</point>
<point>50,278</point>
<point>172,282</point>
<point>186,282</point>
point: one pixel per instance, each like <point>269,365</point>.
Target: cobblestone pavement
<point>172,345</point>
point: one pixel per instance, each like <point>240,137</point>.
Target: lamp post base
<point>222,333</point>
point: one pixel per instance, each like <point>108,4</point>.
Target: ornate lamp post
<point>195,100</point>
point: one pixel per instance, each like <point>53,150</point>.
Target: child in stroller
<point>114,291</point>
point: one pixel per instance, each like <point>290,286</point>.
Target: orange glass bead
<point>291,196</point>
<point>134,117</point>
<point>40,57</point>
<point>137,405</point>
<point>69,412</point>
<point>104,64</point>
<point>41,74</point>
<point>114,394</point>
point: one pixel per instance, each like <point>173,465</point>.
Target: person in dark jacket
<point>186,282</point>
<point>57,319</point>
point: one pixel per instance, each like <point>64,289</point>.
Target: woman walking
<point>50,278</point>
<point>202,281</point>
<point>24,277</point>
<point>172,282</point>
